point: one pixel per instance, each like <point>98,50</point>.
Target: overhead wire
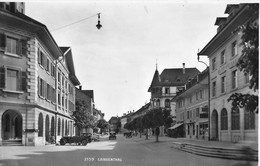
<point>74,22</point>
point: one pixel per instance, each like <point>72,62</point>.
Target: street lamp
<point>98,25</point>
<point>208,95</point>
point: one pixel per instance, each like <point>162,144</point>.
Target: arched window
<point>52,126</point>
<point>7,123</point>
<point>249,120</point>
<point>40,125</point>
<point>62,128</point>
<point>66,133</point>
<point>59,126</point>
<point>224,119</point>
<point>167,103</point>
<point>235,119</point>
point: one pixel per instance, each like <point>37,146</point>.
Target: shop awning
<point>175,126</point>
<point>203,121</point>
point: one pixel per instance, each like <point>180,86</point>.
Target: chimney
<point>183,69</point>
<point>80,87</point>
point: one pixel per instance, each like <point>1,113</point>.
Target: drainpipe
<point>208,95</point>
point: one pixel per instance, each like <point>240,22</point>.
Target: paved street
<point>132,151</point>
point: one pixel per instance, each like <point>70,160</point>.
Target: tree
<point>249,63</point>
<point>82,116</point>
<point>102,124</point>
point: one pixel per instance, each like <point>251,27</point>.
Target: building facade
<point>83,95</point>
<point>192,109</point>
<point>223,52</point>
<point>37,84</point>
<point>166,85</point>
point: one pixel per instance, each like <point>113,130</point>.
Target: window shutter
<point>2,77</point>
<point>2,42</point>
<point>23,47</point>
<point>39,56</point>
<point>24,81</point>
<point>38,85</point>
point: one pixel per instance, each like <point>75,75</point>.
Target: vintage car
<point>112,135</point>
<point>84,139</point>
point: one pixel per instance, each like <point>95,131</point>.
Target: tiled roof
<point>173,77</point>
<point>70,64</point>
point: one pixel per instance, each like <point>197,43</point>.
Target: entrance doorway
<point>214,123</point>
<point>12,123</point>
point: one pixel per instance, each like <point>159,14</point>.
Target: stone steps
<point>218,152</point>
<point>16,142</point>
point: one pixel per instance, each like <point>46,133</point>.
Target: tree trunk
<point>146,134</point>
<point>157,133</point>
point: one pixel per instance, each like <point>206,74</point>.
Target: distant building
<point>166,85</point>
<point>86,96</point>
<point>223,51</point>
<point>192,109</point>
<point>113,121</point>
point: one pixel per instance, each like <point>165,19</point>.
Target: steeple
<point>156,79</point>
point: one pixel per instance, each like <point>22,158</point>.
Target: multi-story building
<point>192,109</point>
<point>86,97</point>
<point>166,85</point>
<point>37,80</point>
<point>223,51</point>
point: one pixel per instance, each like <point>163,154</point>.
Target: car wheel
<point>63,141</point>
<point>84,142</point>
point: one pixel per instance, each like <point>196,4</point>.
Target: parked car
<point>112,135</point>
<point>84,139</point>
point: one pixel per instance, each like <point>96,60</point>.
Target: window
<point>201,94</point>
<point>213,63</point>
<point>59,98</point>
<point>235,119</point>
<point>11,45</point>
<point>49,93</point>
<point>222,57</point>
<point>59,76</point>
<point>197,112</point>
<point>223,84</point>
<point>167,103</point>
<point>234,79</point>
<point>224,119</point>
<point>13,79</point>
<point>234,50</point>
<point>167,90</point>
<point>40,125</point>
<point>59,126</point>
<point>197,95</point>
<point>214,89</point>
<point>62,101</point>
<point>41,85</point>
<point>249,120</point>
<point>157,102</point>
<point>47,65</point>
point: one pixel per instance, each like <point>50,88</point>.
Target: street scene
<point>129,83</point>
<point>122,151</point>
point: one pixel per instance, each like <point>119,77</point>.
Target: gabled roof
<point>67,53</point>
<point>173,77</point>
<point>230,7</point>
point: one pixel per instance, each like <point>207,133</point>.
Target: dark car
<point>112,135</point>
<point>84,139</point>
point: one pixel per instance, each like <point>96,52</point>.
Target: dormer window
<point>178,80</point>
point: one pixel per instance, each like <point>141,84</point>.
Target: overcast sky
<point>119,60</point>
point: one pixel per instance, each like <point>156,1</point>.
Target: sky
<point>118,61</point>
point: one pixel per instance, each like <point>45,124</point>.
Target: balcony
<point>168,94</point>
